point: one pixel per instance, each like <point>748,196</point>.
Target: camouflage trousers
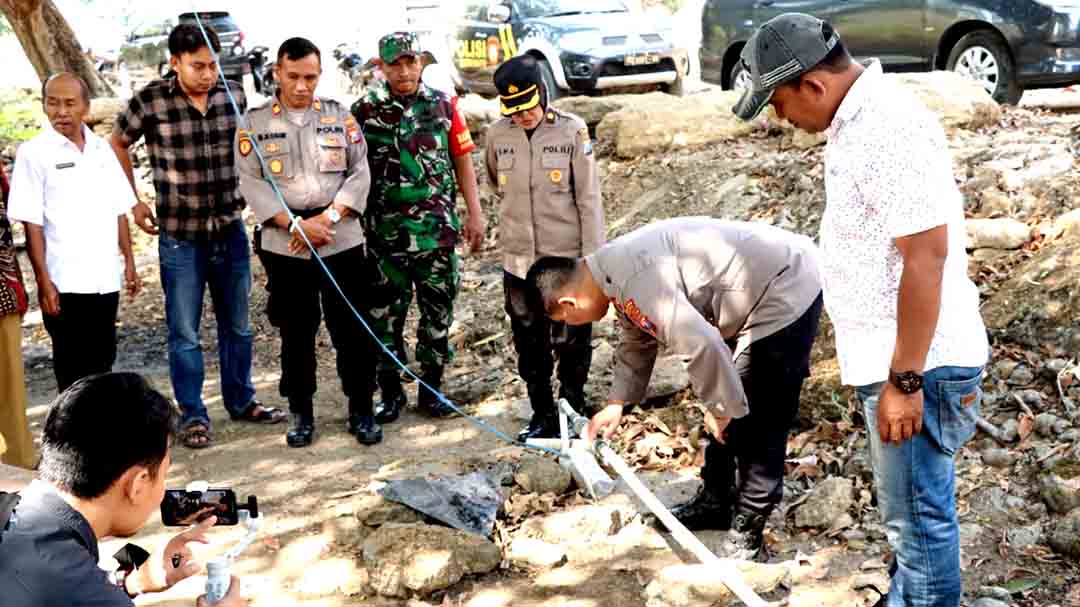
<point>435,276</point>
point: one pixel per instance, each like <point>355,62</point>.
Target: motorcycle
<point>261,72</point>
<point>356,72</point>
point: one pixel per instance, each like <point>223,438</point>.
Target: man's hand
<point>131,279</point>
<point>318,230</point>
<point>232,597</point>
<point>161,572</point>
<point>900,415</point>
<point>604,423</point>
<point>48,297</point>
<point>716,425</point>
<point>144,218</point>
<point>475,228</point>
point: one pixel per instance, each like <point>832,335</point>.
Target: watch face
<point>909,382</point>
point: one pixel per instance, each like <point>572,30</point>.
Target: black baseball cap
<point>518,82</point>
<point>784,48</point>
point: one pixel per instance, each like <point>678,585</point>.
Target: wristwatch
<point>333,215</point>
<point>908,382</point>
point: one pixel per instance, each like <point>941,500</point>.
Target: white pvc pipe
<point>724,569</point>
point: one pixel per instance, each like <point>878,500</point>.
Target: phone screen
<point>182,508</point>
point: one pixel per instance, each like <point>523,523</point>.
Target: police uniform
<point>318,160</point>
<point>550,205</point>
<point>741,301</point>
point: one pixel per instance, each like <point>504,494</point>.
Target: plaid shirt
<point>195,176</point>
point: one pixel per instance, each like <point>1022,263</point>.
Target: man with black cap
<point>908,332</point>
<point>540,161</point>
<point>420,153</point>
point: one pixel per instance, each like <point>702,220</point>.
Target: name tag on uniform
<point>65,165</point>
<point>555,160</point>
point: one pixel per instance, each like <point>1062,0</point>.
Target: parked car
<point>148,46</point>
<point>1006,46</point>
<point>584,46</point>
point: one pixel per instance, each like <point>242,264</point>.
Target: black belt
<point>309,213</point>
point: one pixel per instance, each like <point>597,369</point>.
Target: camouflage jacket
<point>411,205</point>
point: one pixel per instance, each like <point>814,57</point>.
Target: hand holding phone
<point>181,508</point>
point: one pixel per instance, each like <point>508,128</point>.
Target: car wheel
<point>984,57</point>
<point>548,78</point>
<point>738,76</point>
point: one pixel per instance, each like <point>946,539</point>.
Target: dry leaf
<point>1026,427</point>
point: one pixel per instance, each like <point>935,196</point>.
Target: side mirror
<point>498,13</point>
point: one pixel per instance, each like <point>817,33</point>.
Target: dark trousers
<point>539,341</point>
<point>300,294</point>
<point>83,336</point>
<point>772,371</point>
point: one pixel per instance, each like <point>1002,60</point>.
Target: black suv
<point>584,46</point>
<point>148,46</point>
<point>1007,46</point>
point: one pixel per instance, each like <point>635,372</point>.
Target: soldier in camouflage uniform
<point>417,143</point>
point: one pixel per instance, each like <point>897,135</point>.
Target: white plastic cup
<point>217,580</point>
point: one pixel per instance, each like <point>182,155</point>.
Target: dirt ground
<point>308,552</point>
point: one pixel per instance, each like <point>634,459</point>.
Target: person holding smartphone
<point>100,476</point>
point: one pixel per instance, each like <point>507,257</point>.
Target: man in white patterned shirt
<point>908,332</point>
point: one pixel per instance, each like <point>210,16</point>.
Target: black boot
<point>393,398</point>
<point>708,509</point>
<point>545,418</point>
<point>427,401</point>
<point>746,540</point>
<point>302,430</point>
<point>540,426</point>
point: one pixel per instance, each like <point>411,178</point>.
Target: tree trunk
<point>49,42</point>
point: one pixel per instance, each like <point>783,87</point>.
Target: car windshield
<point>552,8</point>
<point>220,22</point>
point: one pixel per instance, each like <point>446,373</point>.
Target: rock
<point>422,559</point>
<point>828,502</point>
<point>699,586</point>
<point>1033,398</point>
<point>1010,430</point>
<point>994,201</point>
<point>859,466</point>
<point>1060,495</point>
<point>957,100</point>
<point>987,602</point>
<point>376,511</point>
<point>1021,376</point>
<point>1024,537</point>
<point>994,592</point>
<point>1064,535</point>
<point>537,474</point>
<point>591,522</point>
<point>103,110</point>
<point>533,553</point>
<point>1002,233</point>
<point>654,124</point>
<point>1048,425</point>
<point>1003,369</point>
<point>997,458</point>
<point>522,409</point>
<point>1038,304</point>
<point>1069,223</point>
<point>1053,367</point>
<point>1070,436</point>
<point>479,112</point>
<point>593,109</point>
<point>669,377</point>
<point>970,534</point>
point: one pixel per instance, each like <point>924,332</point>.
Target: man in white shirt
<point>69,191</point>
<point>908,331</point>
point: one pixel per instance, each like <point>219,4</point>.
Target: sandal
<point>196,436</point>
<point>258,414</point>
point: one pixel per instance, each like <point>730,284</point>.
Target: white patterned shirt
<point>888,174</point>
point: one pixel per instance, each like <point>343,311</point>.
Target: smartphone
<point>182,508</point>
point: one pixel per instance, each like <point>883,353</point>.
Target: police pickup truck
<point>584,46</point>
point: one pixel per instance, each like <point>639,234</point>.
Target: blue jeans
<point>916,488</point>
<point>187,268</point>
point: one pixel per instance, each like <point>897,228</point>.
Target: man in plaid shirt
<point>189,127</point>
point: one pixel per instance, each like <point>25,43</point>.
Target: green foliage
<point>20,116</point>
<point>5,27</point>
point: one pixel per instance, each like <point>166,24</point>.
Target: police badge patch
<point>634,314</point>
